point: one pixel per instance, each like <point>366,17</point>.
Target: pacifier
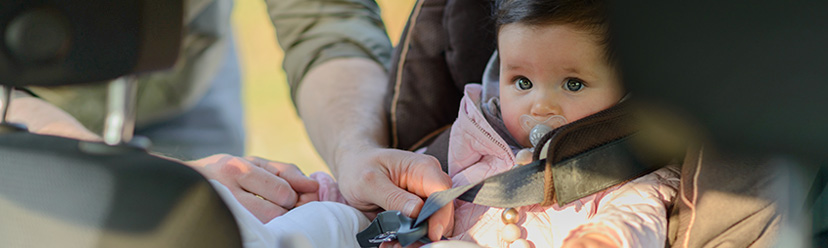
<point>538,128</point>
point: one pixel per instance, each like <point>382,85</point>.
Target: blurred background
<point>273,128</point>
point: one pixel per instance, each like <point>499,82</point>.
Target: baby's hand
<point>328,190</point>
<point>592,240</point>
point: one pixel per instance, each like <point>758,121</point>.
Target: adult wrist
<point>347,148</point>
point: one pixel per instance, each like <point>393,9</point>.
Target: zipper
<point>491,137</point>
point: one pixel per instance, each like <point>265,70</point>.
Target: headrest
<point>59,42</point>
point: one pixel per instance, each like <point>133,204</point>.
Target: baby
<point>555,68</point>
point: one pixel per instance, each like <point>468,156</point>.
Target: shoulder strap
<point>580,176</point>
<point>579,159</point>
<point>572,173</point>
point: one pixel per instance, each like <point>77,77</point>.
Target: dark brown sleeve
<point>444,46</point>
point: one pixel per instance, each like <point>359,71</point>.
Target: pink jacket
<point>634,214</point>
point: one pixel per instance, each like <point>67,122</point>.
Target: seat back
<point>57,192</point>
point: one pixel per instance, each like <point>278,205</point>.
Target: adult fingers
<point>424,176</point>
<point>262,163</point>
<point>428,178</point>
<point>292,174</point>
<point>224,168</point>
<point>387,195</point>
<point>269,186</point>
<point>241,177</point>
<point>306,198</point>
<point>296,178</point>
<point>418,173</point>
<point>441,222</point>
<point>264,210</point>
<point>212,159</point>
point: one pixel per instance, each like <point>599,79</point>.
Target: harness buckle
<point>392,225</point>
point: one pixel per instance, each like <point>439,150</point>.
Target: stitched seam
<point>695,197</point>
<point>492,138</point>
<point>428,136</point>
<point>395,140</point>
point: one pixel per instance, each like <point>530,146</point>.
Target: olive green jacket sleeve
<point>314,31</point>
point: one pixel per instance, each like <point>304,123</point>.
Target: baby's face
<point>552,70</point>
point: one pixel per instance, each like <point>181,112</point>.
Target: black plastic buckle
<point>393,225</point>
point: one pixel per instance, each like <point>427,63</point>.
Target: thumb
<point>395,198</point>
<point>441,222</point>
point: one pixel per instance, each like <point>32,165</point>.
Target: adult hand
<point>341,102</point>
<point>395,180</point>
<point>267,189</point>
<point>42,117</point>
<point>305,187</point>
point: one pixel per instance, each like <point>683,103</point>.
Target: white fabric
<point>316,224</point>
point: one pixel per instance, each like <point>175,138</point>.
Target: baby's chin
<point>524,141</point>
<point>522,137</point>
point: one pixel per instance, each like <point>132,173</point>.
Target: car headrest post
<point>120,115</point>
<point>6,99</point>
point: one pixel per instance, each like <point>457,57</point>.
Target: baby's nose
<point>545,109</point>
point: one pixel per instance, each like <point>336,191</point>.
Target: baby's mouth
<point>537,128</point>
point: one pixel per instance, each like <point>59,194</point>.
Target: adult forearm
<point>42,117</point>
<point>341,103</point>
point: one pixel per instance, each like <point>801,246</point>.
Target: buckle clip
<point>393,225</point>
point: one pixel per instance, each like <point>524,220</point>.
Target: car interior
<point>753,77</point>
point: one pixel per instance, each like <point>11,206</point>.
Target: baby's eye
<point>523,83</point>
<point>573,84</point>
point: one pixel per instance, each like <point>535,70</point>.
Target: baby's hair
<point>589,15</point>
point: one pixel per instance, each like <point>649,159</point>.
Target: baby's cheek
<point>517,132</point>
<point>579,113</point>
<point>511,119</point>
